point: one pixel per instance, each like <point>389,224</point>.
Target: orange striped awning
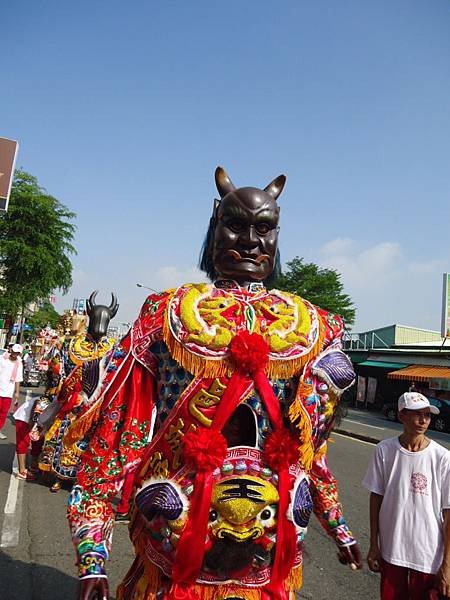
<point>420,373</point>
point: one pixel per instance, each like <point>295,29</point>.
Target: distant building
<point>390,360</point>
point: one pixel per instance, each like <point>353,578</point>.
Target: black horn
<point>223,182</point>
<point>90,302</point>
<point>113,307</point>
<point>275,188</point>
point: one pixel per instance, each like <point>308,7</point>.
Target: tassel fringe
<point>223,367</point>
<point>81,426</point>
<point>295,579</point>
<point>298,416</point>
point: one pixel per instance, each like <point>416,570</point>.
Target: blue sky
<point>123,111</point>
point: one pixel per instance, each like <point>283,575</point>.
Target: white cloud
<point>385,284</point>
<point>429,266</point>
<point>172,276</point>
<point>367,267</point>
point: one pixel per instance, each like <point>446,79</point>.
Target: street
<point>37,560</point>
<point>375,425</point>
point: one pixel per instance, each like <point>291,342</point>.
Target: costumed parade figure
<point>65,440</point>
<point>220,400</point>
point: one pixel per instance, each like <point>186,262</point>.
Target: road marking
<point>12,510</point>
<point>348,437</point>
<point>363,424</point>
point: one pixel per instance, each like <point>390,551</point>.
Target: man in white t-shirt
<point>11,376</point>
<point>409,480</point>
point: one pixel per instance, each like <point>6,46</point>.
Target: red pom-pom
<point>204,449</point>
<point>250,352</point>
<point>281,450</point>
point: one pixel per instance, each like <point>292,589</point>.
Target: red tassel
<point>281,450</point>
<point>204,449</point>
<point>250,352</point>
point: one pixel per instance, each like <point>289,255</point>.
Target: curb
<point>358,436</point>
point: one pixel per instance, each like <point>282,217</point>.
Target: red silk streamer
<point>191,545</point>
<point>286,537</point>
<point>269,399</point>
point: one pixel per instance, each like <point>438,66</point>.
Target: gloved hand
<point>351,555</point>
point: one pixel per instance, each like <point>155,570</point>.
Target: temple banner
<point>8,153</point>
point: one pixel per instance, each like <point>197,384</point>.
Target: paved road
<point>40,566</point>
<point>375,425</point>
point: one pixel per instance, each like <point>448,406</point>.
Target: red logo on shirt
<point>418,483</point>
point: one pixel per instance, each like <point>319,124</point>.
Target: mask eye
<point>267,516</point>
<point>262,228</point>
<point>235,225</point>
<point>212,515</point>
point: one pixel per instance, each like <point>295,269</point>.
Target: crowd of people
<point>212,416</point>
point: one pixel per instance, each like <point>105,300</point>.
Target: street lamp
<point>147,288</point>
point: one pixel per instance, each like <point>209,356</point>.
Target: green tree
<point>36,237</point>
<point>322,287</point>
<point>45,315</point>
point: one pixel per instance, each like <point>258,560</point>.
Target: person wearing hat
<point>11,375</point>
<point>409,480</point>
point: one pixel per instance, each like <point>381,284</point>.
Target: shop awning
<point>383,365</point>
<point>421,373</point>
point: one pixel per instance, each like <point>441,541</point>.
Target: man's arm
<point>374,554</point>
<point>443,574</point>
<point>16,393</point>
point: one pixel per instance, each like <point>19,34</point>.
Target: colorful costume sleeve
<point>330,374</point>
<point>326,505</point>
<point>121,420</point>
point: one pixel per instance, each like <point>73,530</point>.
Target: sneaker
<point>25,476</point>
<point>122,518</point>
<point>3,436</point>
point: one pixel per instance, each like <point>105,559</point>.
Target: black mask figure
<point>100,316</point>
<point>242,239</point>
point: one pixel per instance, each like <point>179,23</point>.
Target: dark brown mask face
<point>246,235</point>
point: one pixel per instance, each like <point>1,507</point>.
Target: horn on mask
<point>223,182</point>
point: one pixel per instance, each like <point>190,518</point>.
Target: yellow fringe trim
<point>321,451</point>
<point>295,578</point>
<point>53,429</point>
<point>151,581</point>
<point>299,416</point>
<point>44,467</point>
<point>211,368</point>
<point>81,426</point>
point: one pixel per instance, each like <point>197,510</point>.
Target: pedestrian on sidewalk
<point>409,481</point>
<point>11,376</point>
<point>22,418</point>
